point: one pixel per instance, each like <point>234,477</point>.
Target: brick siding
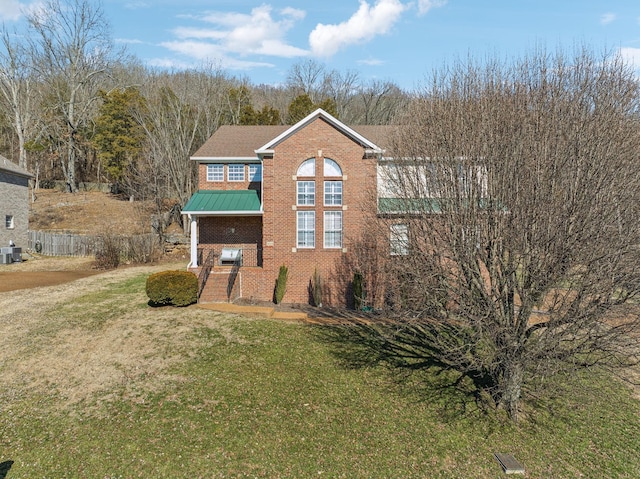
<point>275,231</point>
<point>14,201</point>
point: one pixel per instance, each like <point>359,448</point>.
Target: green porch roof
<point>218,202</point>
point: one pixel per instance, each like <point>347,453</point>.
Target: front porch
<point>221,276</point>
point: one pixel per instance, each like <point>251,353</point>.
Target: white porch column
<point>194,241</point>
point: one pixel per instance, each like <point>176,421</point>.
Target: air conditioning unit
<point>6,258</point>
<point>17,255</point>
<point>230,256</point>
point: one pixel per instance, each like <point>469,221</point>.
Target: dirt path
<point>39,271</point>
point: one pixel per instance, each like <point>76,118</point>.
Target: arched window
<point>331,168</point>
<point>307,168</point>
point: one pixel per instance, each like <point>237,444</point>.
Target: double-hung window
<point>333,229</point>
<point>215,172</point>
<point>8,221</point>
<point>306,193</point>
<point>399,240</point>
<point>235,172</point>
<point>333,193</point>
<point>255,172</point>
<point>306,228</point>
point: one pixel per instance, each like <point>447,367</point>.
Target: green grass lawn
<point>262,398</point>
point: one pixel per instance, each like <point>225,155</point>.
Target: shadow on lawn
<point>366,341</point>
<point>4,468</point>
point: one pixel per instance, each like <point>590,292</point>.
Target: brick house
<point>14,203</point>
<point>281,195</point>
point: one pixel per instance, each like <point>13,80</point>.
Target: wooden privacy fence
<point>67,244</point>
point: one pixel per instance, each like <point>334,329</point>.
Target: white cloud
<point>607,18</point>
<point>131,41</point>
<point>204,52</point>
<point>257,33</point>
<point>372,62</point>
<point>631,56</point>
<point>425,5</point>
<point>363,26</point>
<point>10,10</point>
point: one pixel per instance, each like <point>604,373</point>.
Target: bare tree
<point>379,102</point>
<point>308,77</point>
<point>73,47</point>
<point>16,86</point>
<point>514,199</point>
<point>183,110</point>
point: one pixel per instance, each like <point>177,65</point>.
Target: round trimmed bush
<point>179,288</point>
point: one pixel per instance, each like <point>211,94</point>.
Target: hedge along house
<point>281,195</point>
<point>14,203</point>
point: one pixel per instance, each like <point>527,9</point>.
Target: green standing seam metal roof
<point>218,202</point>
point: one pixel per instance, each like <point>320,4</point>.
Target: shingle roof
<point>9,166</point>
<point>239,141</point>
<point>229,202</point>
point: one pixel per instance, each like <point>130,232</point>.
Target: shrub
<point>316,289</point>
<point>358,290</point>
<point>281,284</point>
<point>179,288</point>
<point>108,253</point>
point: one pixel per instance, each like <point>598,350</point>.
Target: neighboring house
<point>14,203</point>
<point>282,195</point>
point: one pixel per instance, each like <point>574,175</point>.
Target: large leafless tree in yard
<point>17,88</point>
<point>519,186</point>
<point>72,46</point>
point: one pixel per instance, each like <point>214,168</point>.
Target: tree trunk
<point>510,388</point>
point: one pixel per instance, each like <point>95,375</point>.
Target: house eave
<point>222,213</point>
<point>226,159</point>
<point>320,113</point>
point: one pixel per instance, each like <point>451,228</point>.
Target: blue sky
<point>398,40</point>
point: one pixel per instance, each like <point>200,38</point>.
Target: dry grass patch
<point>80,340</point>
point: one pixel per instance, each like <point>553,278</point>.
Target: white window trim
<point>211,173</point>
<point>306,167</point>
<point>329,214</point>
<point>305,193</point>
<point>299,215</point>
<point>229,173</point>
<point>331,168</point>
<point>332,193</point>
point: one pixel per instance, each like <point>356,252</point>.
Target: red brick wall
<point>276,230</point>
<point>317,140</point>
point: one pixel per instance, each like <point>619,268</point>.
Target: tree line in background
<point>75,108</point>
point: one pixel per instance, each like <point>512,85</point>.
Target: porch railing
<point>205,269</point>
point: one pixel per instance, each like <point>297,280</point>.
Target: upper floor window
<point>331,168</point>
<point>333,193</point>
<point>255,172</point>
<point>235,172</point>
<point>307,168</point>
<point>8,220</point>
<point>215,172</point>
<point>306,193</point>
